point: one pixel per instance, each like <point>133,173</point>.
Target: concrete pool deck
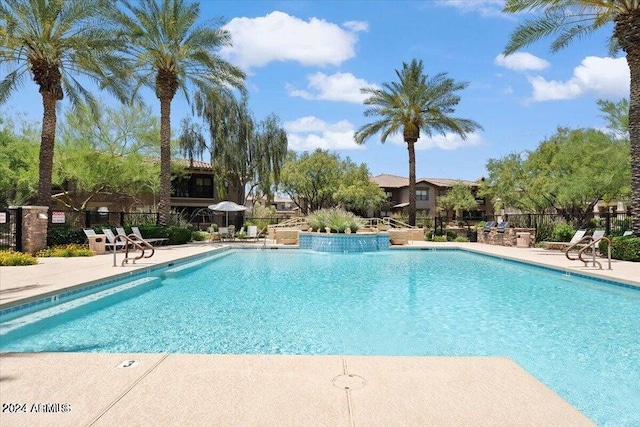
<point>177,389</point>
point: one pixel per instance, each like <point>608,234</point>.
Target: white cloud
<point>606,77</point>
<point>356,26</point>
<point>281,37</point>
<point>521,61</point>
<point>309,133</point>
<point>483,7</point>
<point>449,141</point>
<point>335,87</point>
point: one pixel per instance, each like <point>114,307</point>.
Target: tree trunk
<point>47,143</point>
<point>412,180</point>
<point>633,60</point>
<point>164,206</point>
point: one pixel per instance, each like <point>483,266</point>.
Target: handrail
<point>580,242</point>
<point>592,245</point>
<point>291,222</point>
<point>392,222</point>
<point>128,241</point>
<point>137,239</point>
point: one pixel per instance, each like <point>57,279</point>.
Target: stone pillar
<point>35,221</point>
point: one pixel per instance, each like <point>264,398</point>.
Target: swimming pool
<point>578,336</point>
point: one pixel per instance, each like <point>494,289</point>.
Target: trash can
<point>523,240</point>
<point>97,243</point>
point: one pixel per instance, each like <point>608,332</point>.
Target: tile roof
<point>197,164</point>
<point>394,181</point>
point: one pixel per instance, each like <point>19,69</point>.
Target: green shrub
<point>200,236</point>
<point>563,232</point>
<point>177,235</point>
<point>16,258</point>
<point>57,236</point>
<point>479,225</point>
<point>66,251</point>
<point>154,231</point>
<point>451,235</point>
<point>439,238</point>
<point>623,248</point>
<point>461,239</point>
<point>337,219</point>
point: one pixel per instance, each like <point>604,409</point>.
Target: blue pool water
<point>578,336</point>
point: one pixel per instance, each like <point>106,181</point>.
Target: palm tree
<point>170,51</point>
<point>53,42</point>
<point>415,103</point>
<point>567,20</point>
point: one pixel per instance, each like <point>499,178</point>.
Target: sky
<point>307,60</point>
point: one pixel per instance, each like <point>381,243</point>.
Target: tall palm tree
<point>413,104</point>
<point>53,41</point>
<point>567,20</point>
<point>171,51</point>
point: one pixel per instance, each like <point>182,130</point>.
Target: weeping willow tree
<point>244,153</point>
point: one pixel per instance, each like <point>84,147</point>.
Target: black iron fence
<point>7,230</point>
<point>87,219</point>
<point>544,224</point>
<point>614,224</point>
<point>11,230</point>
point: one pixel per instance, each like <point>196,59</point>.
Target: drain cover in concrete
<point>349,382</point>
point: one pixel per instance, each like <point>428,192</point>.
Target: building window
<point>203,187</point>
<point>389,195</point>
<point>422,194</point>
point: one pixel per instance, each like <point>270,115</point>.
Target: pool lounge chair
<point>563,245</point>
<point>152,240</point>
<point>90,232</point>
<point>252,232</point>
<point>111,240</point>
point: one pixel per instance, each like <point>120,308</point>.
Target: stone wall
<point>508,237</point>
<point>35,221</point>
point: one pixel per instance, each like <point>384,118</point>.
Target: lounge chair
<point>224,233</point>
<point>627,233</point>
<point>153,240</point>
<point>90,232</point>
<point>252,232</point>
<point>578,235</point>
<point>111,240</point>
<point>488,225</point>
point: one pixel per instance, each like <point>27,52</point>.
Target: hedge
<point>623,248</point>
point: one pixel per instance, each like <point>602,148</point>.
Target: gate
<point>11,230</point>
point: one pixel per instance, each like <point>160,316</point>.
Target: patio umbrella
<point>227,206</point>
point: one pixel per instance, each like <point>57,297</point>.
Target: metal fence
<point>11,230</point>
<point>88,219</point>
<point>544,224</point>
<point>614,224</point>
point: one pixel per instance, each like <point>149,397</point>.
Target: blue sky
<point>307,60</point>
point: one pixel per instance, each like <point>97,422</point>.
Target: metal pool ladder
<point>592,243</point>
<point>134,242</point>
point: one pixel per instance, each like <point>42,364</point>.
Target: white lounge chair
<point>563,245</point>
<point>252,232</point>
<point>152,240</point>
<point>111,240</point>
